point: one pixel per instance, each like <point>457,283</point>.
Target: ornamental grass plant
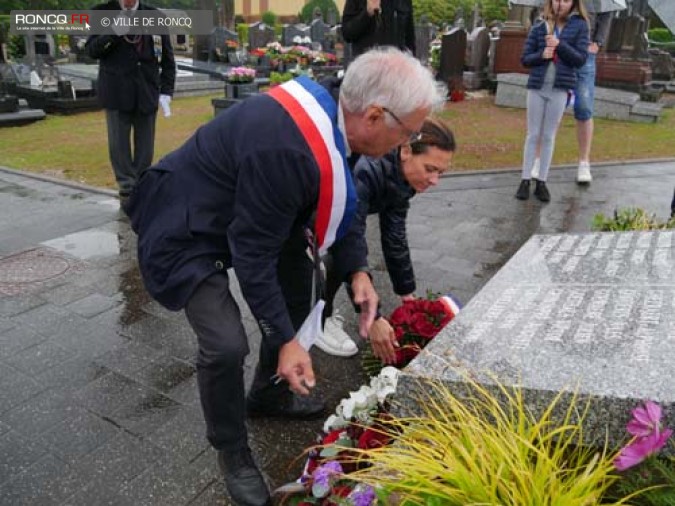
<point>630,218</point>
<point>487,448</point>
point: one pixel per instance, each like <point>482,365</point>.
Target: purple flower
<point>362,495</point>
<point>645,420</point>
<point>322,474</point>
<point>641,448</point>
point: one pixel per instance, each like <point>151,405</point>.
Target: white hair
<point>389,78</point>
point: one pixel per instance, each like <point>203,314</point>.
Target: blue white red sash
<point>315,112</point>
<point>452,306</point>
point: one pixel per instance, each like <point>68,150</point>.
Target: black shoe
<point>523,192</point>
<point>284,404</point>
<point>541,192</point>
<point>244,481</point>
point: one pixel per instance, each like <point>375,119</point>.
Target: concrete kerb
<point>63,182</point>
<point>504,170</point>
<point>462,173</point>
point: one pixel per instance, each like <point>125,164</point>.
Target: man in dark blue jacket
<point>245,192</point>
<point>131,84</point>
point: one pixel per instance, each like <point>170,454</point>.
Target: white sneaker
<point>335,341</point>
<point>584,173</point>
<point>535,169</point>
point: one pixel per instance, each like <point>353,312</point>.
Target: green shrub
<point>307,13</point>
<point>242,33</point>
<point>629,219</point>
<point>280,77</point>
<point>269,18</point>
<point>660,35</point>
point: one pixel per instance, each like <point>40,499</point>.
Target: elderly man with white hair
<point>252,190</point>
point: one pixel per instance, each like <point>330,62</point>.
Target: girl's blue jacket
<point>572,53</point>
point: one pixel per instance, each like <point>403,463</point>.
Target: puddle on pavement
<point>87,244</point>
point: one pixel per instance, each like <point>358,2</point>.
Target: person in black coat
<point>252,190</point>
<point>370,23</point>
<point>384,186</point>
<point>131,84</point>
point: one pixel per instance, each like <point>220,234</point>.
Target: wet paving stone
<point>40,413</point>
<point>79,435</point>
<point>17,339</point>
<point>148,414</point>
<point>92,305</point>
<point>17,453</point>
<point>39,358</point>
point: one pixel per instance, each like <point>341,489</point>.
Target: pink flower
<point>645,420</point>
<point>635,452</point>
<point>650,436</point>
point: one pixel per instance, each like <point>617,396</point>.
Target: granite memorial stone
<point>318,31</point>
<point>259,35</point>
<point>587,312</point>
<point>453,51</point>
<point>291,32</point>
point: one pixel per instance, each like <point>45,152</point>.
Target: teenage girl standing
<point>554,48</point>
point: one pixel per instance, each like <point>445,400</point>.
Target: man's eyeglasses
<point>413,136</point>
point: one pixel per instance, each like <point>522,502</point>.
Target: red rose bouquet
<point>415,324</point>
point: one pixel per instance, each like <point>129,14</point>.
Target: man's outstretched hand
<point>365,297</point>
<point>295,366</point>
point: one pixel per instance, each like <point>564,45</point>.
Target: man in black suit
<point>131,85</point>
<point>370,23</point>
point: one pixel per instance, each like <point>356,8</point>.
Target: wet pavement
<point>98,397</point>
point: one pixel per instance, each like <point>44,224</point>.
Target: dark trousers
<point>127,165</point>
<point>215,317</point>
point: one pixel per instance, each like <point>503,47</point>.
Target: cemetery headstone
<point>332,17</point>
<point>291,32</point>
<point>625,64</point>
<point>259,35</point>
<point>218,42</point>
<point>424,34</point>
<point>453,50</point>
<point>459,19</point>
<point>318,31</point>
<point>478,45</point>
<point>589,312</point>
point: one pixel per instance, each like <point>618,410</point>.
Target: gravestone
<point>332,17</point>
<point>318,31</point>
<point>587,312</point>
<point>625,64</point>
<point>478,45</point>
<point>259,35</point>
<point>453,51</point>
<point>291,32</point>
<point>509,46</point>
<point>425,32</point>
<point>218,41</point>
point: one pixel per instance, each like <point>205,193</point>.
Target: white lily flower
<point>334,422</point>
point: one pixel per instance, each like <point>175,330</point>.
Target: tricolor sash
<point>314,112</point>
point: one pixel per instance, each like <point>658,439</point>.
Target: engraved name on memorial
<point>593,311</point>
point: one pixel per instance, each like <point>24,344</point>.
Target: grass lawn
<point>488,137</point>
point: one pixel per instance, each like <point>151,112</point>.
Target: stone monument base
<point>614,70</point>
<point>15,112</point>
<point>586,313</point>
<point>609,103</point>
<point>475,80</point>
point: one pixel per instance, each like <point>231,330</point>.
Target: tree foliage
<point>444,11</point>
